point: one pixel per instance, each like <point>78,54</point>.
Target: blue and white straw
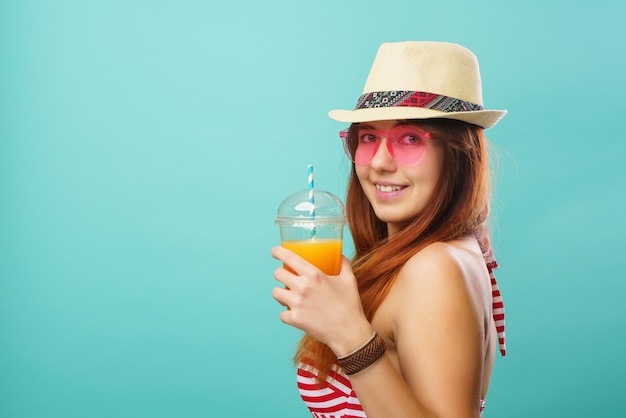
<point>311,188</point>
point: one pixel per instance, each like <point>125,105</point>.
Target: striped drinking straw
<point>311,188</point>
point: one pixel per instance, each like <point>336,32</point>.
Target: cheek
<point>434,164</point>
<point>363,175</point>
<point>362,172</point>
<point>427,171</point>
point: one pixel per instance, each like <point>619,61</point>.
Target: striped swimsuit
<point>337,399</point>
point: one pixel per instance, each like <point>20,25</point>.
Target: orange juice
<point>325,254</point>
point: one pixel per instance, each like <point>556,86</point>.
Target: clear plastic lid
<point>327,208</point>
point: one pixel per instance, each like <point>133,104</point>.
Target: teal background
<point>145,147</point>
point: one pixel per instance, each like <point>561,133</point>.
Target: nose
<point>382,159</point>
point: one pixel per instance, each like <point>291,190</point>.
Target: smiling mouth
<point>388,189</point>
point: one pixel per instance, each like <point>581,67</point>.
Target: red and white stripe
<point>334,399</point>
<point>497,307</point>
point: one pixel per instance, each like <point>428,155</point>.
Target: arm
<point>438,330</point>
<point>438,308</point>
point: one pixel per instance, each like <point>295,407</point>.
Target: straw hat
<point>422,80</point>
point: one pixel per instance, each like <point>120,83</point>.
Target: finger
<point>279,252</point>
<point>293,260</point>
<point>281,295</point>
<point>285,277</point>
<point>285,317</point>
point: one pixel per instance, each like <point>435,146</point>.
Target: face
<point>398,192</point>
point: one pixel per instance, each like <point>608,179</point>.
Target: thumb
<point>346,275</point>
<point>346,266</point>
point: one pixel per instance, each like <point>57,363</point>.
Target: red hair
<point>458,207</point>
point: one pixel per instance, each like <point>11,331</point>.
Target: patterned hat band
<point>404,98</point>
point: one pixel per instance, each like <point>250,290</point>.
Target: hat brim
<point>483,118</point>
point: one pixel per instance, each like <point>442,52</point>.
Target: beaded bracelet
<point>364,356</point>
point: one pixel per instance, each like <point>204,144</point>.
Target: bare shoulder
<point>435,257</point>
<point>451,272</point>
<point>444,261</point>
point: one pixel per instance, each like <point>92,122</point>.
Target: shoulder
<point>442,262</point>
<point>436,255</point>
<point>444,276</point>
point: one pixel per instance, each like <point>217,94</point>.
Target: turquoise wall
<point>146,145</point>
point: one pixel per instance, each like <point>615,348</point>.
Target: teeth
<point>388,189</point>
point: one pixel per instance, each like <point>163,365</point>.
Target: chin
<point>393,218</point>
<point>397,215</point>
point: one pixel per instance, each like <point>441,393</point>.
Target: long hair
<point>458,206</point>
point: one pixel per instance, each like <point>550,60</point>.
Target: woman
<point>409,328</point>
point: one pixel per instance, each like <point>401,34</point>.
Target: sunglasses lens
<point>408,144</point>
<point>365,151</point>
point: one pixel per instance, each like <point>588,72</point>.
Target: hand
<point>328,308</point>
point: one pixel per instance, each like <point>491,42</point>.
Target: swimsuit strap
<point>496,297</point>
<point>497,307</point>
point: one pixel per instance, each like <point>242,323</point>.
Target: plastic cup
<point>313,231</point>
